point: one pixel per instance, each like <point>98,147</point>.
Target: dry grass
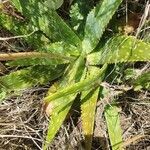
<point>23,123</point>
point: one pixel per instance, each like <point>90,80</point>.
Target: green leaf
<point>48,21</point>
<point>17,4</point>
<point>121,49</point>
<point>77,87</point>
<point>78,14</point>
<point>39,18</point>
<point>63,99</point>
<point>60,30</point>
<point>113,125</point>
<point>53,4</point>
<point>62,104</point>
<point>62,48</point>
<point>27,78</point>
<point>36,61</point>
<point>88,115</point>
<point>60,110</point>
<point>143,81</point>
<point>57,53</point>
<point>97,21</point>
<point>88,106</point>
<point>23,28</point>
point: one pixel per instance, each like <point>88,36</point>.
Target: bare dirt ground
<point>23,122</point>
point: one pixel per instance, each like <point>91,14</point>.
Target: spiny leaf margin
<point>62,105</point>
<point>97,21</point>
<point>77,87</point>
<point>88,107</point>
<point>30,77</point>
<point>119,49</point>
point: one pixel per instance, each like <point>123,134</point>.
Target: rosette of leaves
<point>80,61</point>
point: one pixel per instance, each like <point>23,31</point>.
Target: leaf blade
<point>47,21</point>
<point>121,49</point>
<point>77,87</point>
<point>113,125</point>
<point>29,77</point>
<point>88,107</point>
<point>96,23</point>
<point>63,104</point>
<point>53,54</point>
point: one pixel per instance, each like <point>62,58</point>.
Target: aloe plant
<point>85,66</point>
